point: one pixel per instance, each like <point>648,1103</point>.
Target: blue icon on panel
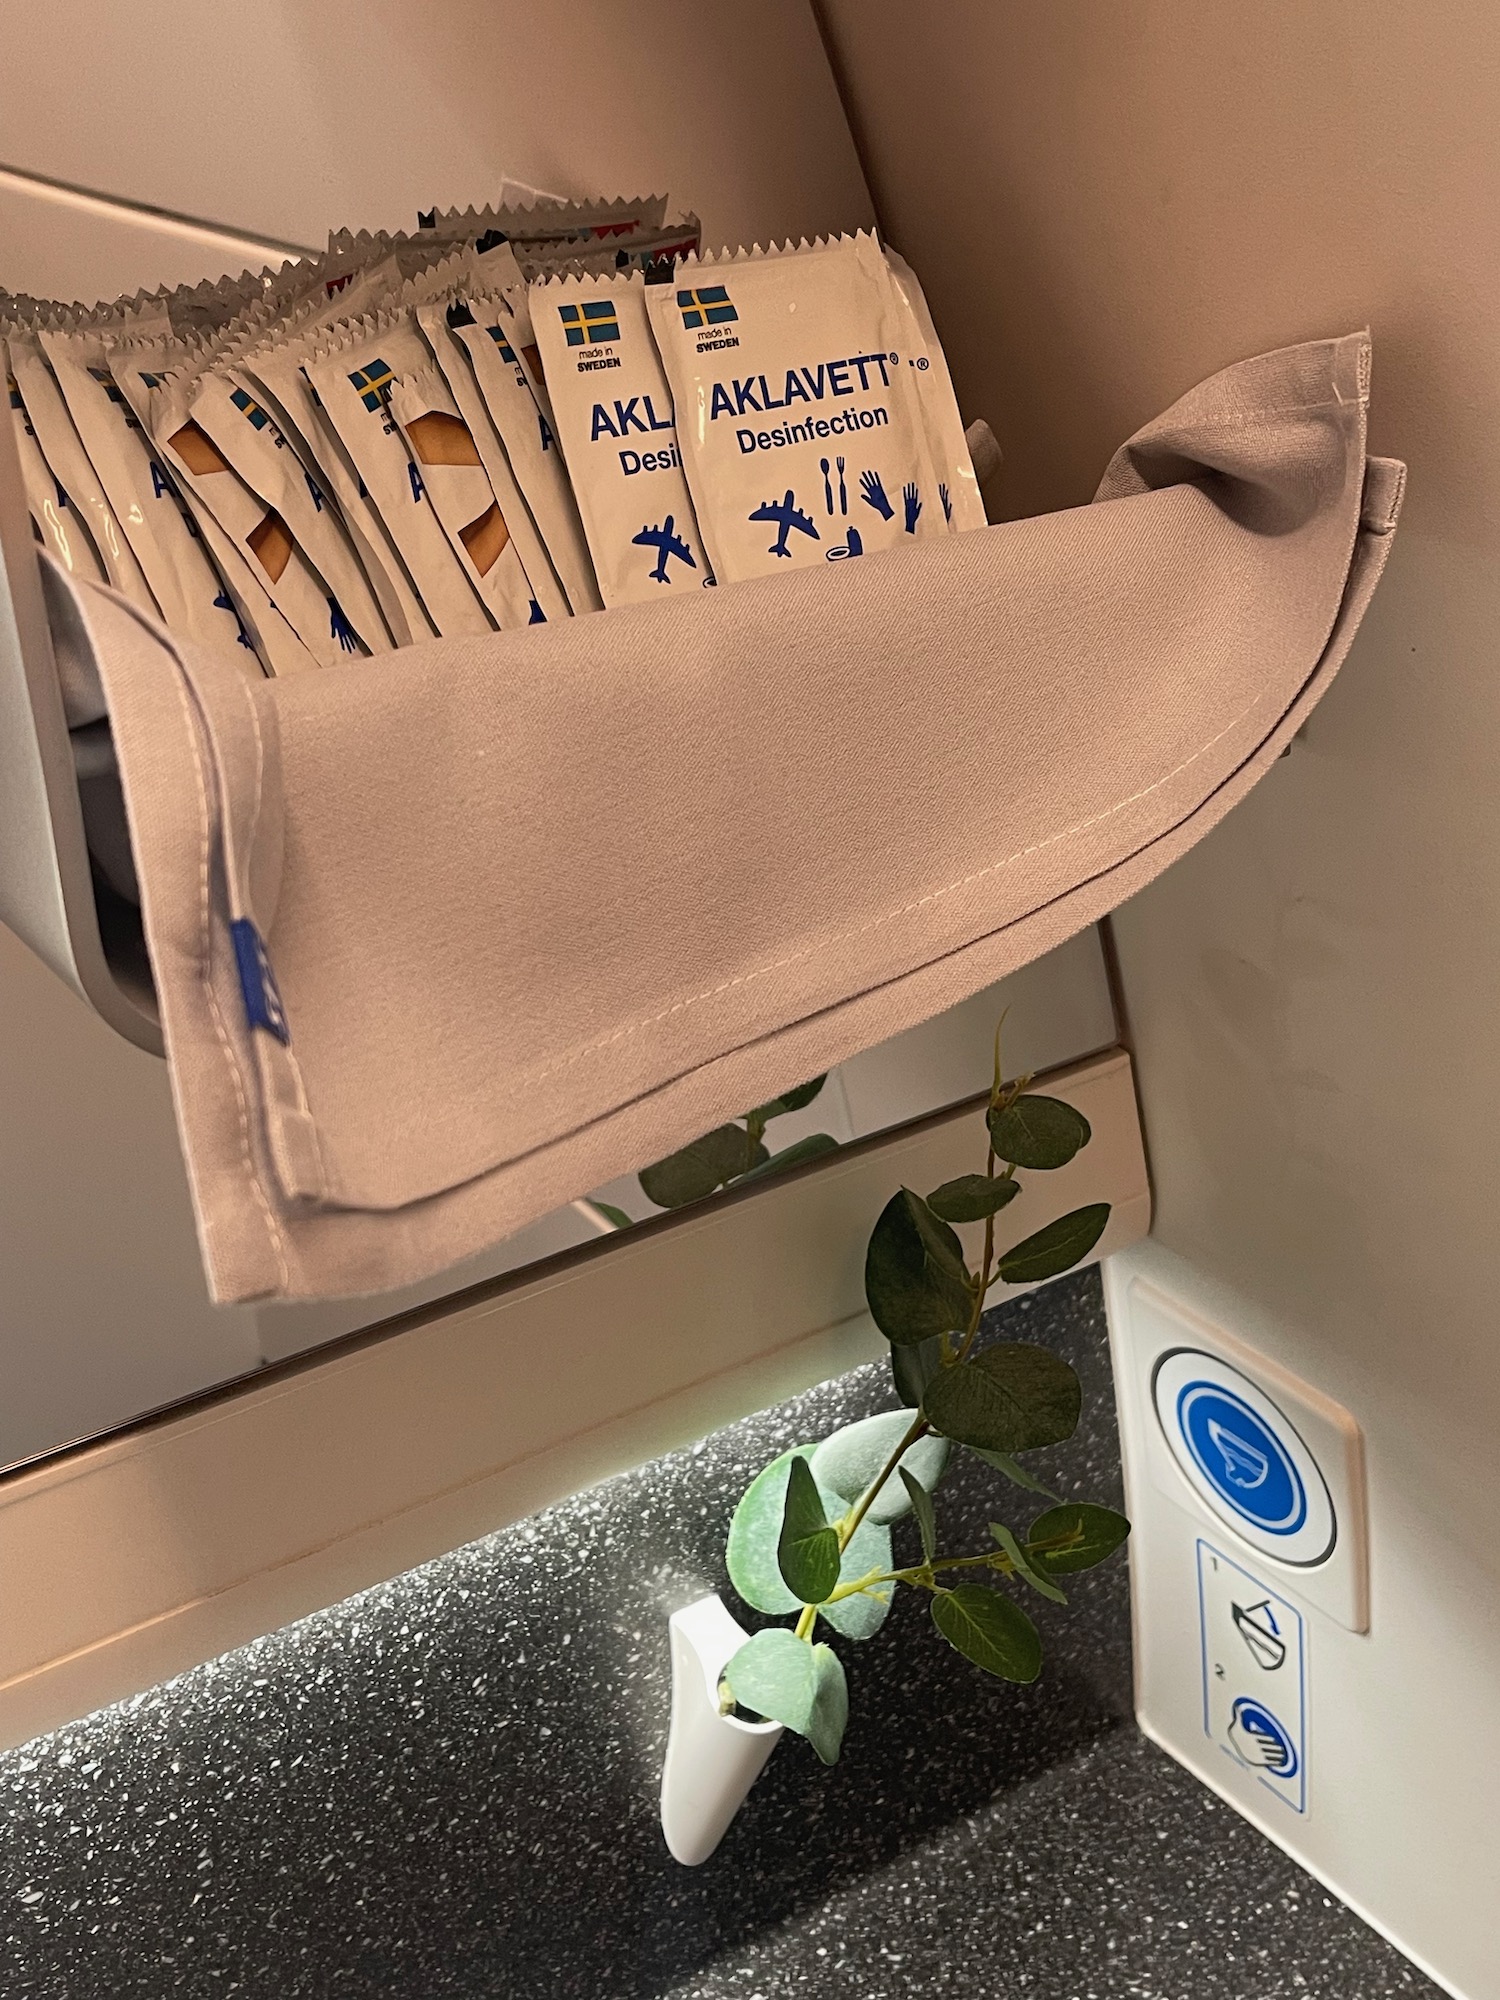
<point>1260,1740</point>
<point>1242,1458</point>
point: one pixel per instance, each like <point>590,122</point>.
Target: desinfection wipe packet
<point>643,250</point>
<point>69,463</point>
<point>55,522</point>
<point>188,586</point>
<point>958,488</point>
<point>279,603</point>
<point>148,371</point>
<point>471,338</point>
<point>270,375</point>
<point>71,466</point>
<point>579,224</point>
<point>517,302</point>
<point>612,415</point>
<point>532,546</point>
<point>453,472</point>
<point>437,300</point>
<point>248,437</point>
<point>801,432</point>
<point>264,358</point>
<point>258,531</point>
<point>351,372</point>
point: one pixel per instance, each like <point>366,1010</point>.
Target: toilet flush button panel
<point>1268,1465</point>
<point>1244,1457</point>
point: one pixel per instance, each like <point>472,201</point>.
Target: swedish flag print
<point>507,352</point>
<point>247,407</point>
<point>373,382</point>
<point>589,321</point>
<point>107,383</point>
<point>705,305</point>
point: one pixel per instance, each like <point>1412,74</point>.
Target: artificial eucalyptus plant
<point>812,1533</point>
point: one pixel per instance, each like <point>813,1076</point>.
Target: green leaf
<point>1082,1535</point>
<point>1023,1566</point>
<point>612,1214</point>
<point>1013,1470</point>
<point>916,1281</point>
<point>861,1617</point>
<point>987,1628</point>
<point>1057,1247</point>
<point>755,1532</point>
<point>784,1678</point>
<point>846,1462</point>
<point>912,1368</point>
<point>972,1197</point>
<point>810,1148</point>
<point>807,1549</point>
<point>796,1099</point>
<point>1009,1398</point>
<point>1036,1132</point>
<point>701,1168</point>
<point>921,1505</point>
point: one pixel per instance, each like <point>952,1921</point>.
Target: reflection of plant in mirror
<point>731,1154</point>
<point>812,1533</point>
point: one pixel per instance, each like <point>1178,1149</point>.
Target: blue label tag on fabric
<point>263,1008</point>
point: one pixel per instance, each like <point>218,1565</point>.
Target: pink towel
<point>446,937</point>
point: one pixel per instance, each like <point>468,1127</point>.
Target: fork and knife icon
<point>828,485</point>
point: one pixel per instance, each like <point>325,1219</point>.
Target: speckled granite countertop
<point>445,1789</point>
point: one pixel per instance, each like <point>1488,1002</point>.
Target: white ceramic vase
<point>712,1759</point>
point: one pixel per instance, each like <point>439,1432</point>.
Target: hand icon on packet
<point>872,491</point>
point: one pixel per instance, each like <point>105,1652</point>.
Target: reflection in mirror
<point>105,1315</point>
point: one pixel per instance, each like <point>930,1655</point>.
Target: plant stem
<point>859,1584</point>
<point>920,1573</point>
<point>846,1527</point>
<point>918,1428</point>
<point>985,1280</point>
<point>919,1425</point>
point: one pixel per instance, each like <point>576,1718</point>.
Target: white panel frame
<point>1394,1821</point>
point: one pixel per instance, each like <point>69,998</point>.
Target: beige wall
<point>282,118</point>
<point>1107,202</point>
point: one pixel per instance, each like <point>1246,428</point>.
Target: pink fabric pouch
<point>448,936</point>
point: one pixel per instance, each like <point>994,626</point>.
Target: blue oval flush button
<point>1243,1457</point>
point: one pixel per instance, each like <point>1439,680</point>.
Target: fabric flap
<point>529,910</point>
